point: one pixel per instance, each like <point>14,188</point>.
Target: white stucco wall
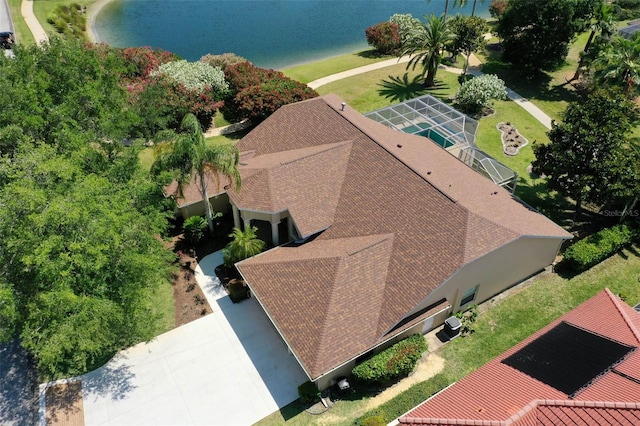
<point>496,271</point>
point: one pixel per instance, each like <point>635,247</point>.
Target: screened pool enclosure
<point>450,129</point>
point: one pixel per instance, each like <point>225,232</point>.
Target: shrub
<point>373,421</point>
<point>238,290</point>
<point>478,92</point>
<point>384,37</point>
<point>195,228</point>
<point>406,23</point>
<point>222,61</point>
<point>467,320</point>
<point>257,93</point>
<point>497,8</point>
<point>195,76</point>
<point>408,399</point>
<point>243,245</point>
<point>597,247</point>
<point>395,361</point>
<point>308,392</point>
<point>141,61</point>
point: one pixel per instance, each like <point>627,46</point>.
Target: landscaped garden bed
<point>512,141</point>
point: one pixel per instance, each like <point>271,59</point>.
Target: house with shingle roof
<point>582,369</point>
<point>378,234</point>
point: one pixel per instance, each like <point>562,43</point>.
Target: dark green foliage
<point>308,392</point>
<point>243,245</point>
<point>405,401</point>
<point>626,9</point>
<point>384,37</point>
<point>536,34</point>
<point>69,20</point>
<point>195,228</point>
<point>599,246</point>
<point>373,421</point>
<point>589,157</point>
<point>395,361</point>
<point>467,320</point>
<point>238,290</point>
<point>256,93</point>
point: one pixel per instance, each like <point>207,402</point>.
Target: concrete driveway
<point>228,368</point>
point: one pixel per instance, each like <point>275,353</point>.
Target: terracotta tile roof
<point>440,213</point>
<point>499,394</point>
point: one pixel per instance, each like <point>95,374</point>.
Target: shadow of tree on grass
<point>399,89</point>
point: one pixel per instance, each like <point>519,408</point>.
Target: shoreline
<point>92,13</point>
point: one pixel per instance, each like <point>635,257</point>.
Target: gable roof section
<point>441,213</point>
<point>501,395</point>
<point>331,271</point>
<point>191,193</point>
<point>305,181</point>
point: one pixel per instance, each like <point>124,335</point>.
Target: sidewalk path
<point>474,68</point>
<point>26,9</point>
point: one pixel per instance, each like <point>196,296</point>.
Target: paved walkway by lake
<point>474,68</point>
<point>26,9</point>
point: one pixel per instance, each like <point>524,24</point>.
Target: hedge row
<point>597,247</point>
<point>395,361</point>
<point>405,401</point>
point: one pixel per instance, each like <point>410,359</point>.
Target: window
<point>469,296</point>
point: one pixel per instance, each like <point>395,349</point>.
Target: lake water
<point>270,33</point>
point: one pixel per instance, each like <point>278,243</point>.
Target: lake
<point>270,33</point>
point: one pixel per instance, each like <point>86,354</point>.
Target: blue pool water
<point>270,33</point>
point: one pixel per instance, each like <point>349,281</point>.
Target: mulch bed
<point>189,300</point>
<point>64,404</point>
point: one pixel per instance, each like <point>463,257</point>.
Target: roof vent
<point>342,105</point>
<point>399,145</point>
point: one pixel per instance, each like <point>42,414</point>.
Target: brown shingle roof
<point>499,394</point>
<point>305,181</point>
<point>440,213</point>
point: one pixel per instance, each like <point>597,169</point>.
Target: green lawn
<point>22,32</point>
<point>314,70</point>
<point>44,9</point>
<point>506,323</point>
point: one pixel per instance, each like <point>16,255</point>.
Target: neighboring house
<point>582,369</point>
<point>390,233</point>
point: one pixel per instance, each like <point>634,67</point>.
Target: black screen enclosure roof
<point>568,358</point>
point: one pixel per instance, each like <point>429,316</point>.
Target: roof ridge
<point>617,303</point>
<point>382,238</point>
<point>328,147</point>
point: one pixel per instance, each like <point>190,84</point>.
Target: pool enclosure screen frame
<point>450,129</point>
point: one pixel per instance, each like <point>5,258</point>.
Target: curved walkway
<point>26,9</point>
<point>474,68</point>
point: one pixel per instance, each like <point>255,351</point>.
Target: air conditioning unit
<point>452,327</point>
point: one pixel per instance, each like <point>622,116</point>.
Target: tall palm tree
<point>619,65</point>
<point>426,43</point>
<point>463,3</point>
<point>186,153</point>
<point>603,22</point>
<point>446,8</point>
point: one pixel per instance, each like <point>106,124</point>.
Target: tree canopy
<point>536,34</point>
<point>590,158</point>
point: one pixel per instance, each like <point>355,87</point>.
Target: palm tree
<point>446,8</point>
<point>186,153</point>
<point>427,43</point>
<point>243,245</point>
<point>463,3</point>
<point>619,64</point>
<point>601,21</point>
